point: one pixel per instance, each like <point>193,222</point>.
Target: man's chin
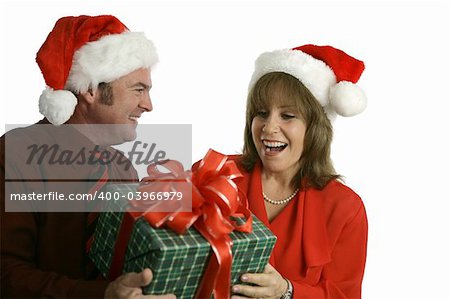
<point>123,133</point>
<point>130,137</point>
<point>127,136</point>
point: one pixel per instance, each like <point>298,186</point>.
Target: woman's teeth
<point>274,146</point>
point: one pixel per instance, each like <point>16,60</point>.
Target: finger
<point>147,276</point>
<point>260,279</point>
<point>269,268</point>
<point>250,291</point>
<point>136,280</point>
<point>168,296</point>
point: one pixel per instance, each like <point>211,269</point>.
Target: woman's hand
<point>269,284</point>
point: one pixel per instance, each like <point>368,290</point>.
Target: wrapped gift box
<point>177,261</point>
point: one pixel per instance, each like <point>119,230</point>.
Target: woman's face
<point>278,134</point>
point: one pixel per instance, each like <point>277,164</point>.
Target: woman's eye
<point>262,113</point>
<point>287,116</point>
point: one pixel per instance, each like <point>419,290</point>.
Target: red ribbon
<point>216,200</point>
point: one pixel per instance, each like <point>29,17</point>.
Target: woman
<point>291,185</point>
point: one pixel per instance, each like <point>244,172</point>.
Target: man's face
<point>130,98</point>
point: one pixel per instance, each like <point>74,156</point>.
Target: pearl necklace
<point>280,202</point>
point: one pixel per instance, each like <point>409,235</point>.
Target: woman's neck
<point>277,184</point>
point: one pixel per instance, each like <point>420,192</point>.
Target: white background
<point>394,155</point>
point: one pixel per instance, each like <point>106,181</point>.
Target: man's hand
<point>129,286</point>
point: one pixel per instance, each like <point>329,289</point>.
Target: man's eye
<point>139,90</point>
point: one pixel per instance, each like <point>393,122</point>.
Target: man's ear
<point>89,96</point>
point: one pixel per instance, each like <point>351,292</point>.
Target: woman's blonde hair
<point>316,167</point>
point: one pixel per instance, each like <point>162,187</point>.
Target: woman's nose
<point>271,125</point>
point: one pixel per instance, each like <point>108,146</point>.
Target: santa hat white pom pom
<point>57,105</point>
<point>347,99</point>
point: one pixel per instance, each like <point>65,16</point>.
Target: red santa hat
<point>329,73</point>
<point>81,52</point>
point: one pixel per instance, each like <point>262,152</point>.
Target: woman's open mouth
<point>274,146</point>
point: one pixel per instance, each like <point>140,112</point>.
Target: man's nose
<point>146,103</point>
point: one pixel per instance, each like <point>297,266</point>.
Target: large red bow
<point>216,202</point>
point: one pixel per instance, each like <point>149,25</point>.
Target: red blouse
<point>321,238</point>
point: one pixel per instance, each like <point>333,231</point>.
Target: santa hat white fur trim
<point>104,60</point>
<point>110,58</point>
<point>347,99</point>
<point>313,73</point>
<point>57,105</point>
<point>344,98</point>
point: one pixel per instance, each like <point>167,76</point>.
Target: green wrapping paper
<point>177,261</point>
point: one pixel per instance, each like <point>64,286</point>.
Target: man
<point>97,72</point>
